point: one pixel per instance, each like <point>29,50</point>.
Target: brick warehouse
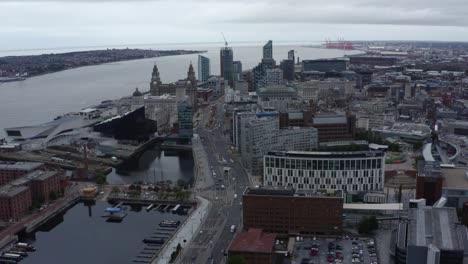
<point>289,212</point>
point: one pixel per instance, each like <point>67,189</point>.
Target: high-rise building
<point>203,68</point>
<point>287,66</point>
<point>226,59</point>
<point>259,134</point>
<point>268,50</point>
<point>185,119</point>
<point>191,88</point>
<point>237,70</point>
<point>274,77</point>
<point>291,55</point>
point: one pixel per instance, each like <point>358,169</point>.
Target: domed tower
<point>155,81</point>
<point>137,99</point>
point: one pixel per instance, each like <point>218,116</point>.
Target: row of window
<point>322,174</point>
<point>343,187</point>
<point>285,180</point>
<point>307,164</point>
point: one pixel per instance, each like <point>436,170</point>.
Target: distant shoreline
<point>19,68</point>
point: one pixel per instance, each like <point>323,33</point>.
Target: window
<point>314,165</point>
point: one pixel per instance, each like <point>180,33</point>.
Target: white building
<point>161,109</point>
<point>259,133</point>
<point>347,171</point>
<point>315,89</point>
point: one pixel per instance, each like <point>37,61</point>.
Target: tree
<point>100,178</point>
<point>373,223</point>
<point>115,189</point>
<point>236,259</point>
<point>181,183</point>
<point>399,193</point>
<point>53,196</point>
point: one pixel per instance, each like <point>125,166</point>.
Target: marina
<point>138,239</point>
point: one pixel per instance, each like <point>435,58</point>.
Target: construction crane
<point>225,41</point>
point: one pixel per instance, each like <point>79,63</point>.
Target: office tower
<point>226,56</point>
<point>268,50</point>
<point>291,55</point>
<point>237,70</point>
<point>203,68</point>
<point>185,119</point>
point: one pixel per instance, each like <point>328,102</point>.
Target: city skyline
<point>32,24</point>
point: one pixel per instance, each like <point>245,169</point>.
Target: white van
<point>233,228</point>
<point>235,196</point>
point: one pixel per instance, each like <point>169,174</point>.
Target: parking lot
<point>347,251</point>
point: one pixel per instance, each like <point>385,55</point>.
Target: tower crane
<point>225,41</point>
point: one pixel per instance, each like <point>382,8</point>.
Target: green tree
<point>236,259</point>
<point>373,223</point>
<point>181,183</point>
<point>100,178</point>
<point>115,189</point>
<point>53,196</point>
<point>364,227</point>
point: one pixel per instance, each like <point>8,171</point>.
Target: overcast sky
<point>28,24</point>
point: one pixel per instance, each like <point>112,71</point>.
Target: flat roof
<point>20,165</point>
<point>11,191</point>
<point>456,178</point>
<point>290,192</point>
<point>327,154</point>
<point>429,225</point>
<point>253,240</point>
<point>374,207</point>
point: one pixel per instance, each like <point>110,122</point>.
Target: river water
<point>81,235</point>
<point>40,99</point>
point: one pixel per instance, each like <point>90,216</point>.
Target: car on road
<point>222,186</point>
<point>235,196</point>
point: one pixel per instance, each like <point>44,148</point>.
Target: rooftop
<point>429,225</point>
<point>326,154</point>
<point>253,240</point>
<point>28,166</point>
<point>290,192</point>
<point>456,178</point>
<point>11,191</point>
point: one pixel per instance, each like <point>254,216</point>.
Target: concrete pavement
<point>186,232</point>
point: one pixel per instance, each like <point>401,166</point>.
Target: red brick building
<point>10,171</point>
<point>289,212</point>
<point>15,202</point>
<point>254,245</point>
<point>429,182</point>
<point>43,183</point>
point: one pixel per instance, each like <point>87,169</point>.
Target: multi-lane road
<point>221,187</point>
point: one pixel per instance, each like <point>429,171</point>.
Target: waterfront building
<point>161,109</point>
<point>10,170</point>
<point>430,235</point>
<point>203,68</point>
<point>291,55</point>
<point>132,125</point>
<point>287,211</point>
<point>190,84</point>
<point>325,65</point>
<point>254,245</point>
<point>372,60</point>
<point>354,171</point>
<point>15,202</point>
<point>226,59</point>
<point>185,119</point>
<point>268,50</point>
